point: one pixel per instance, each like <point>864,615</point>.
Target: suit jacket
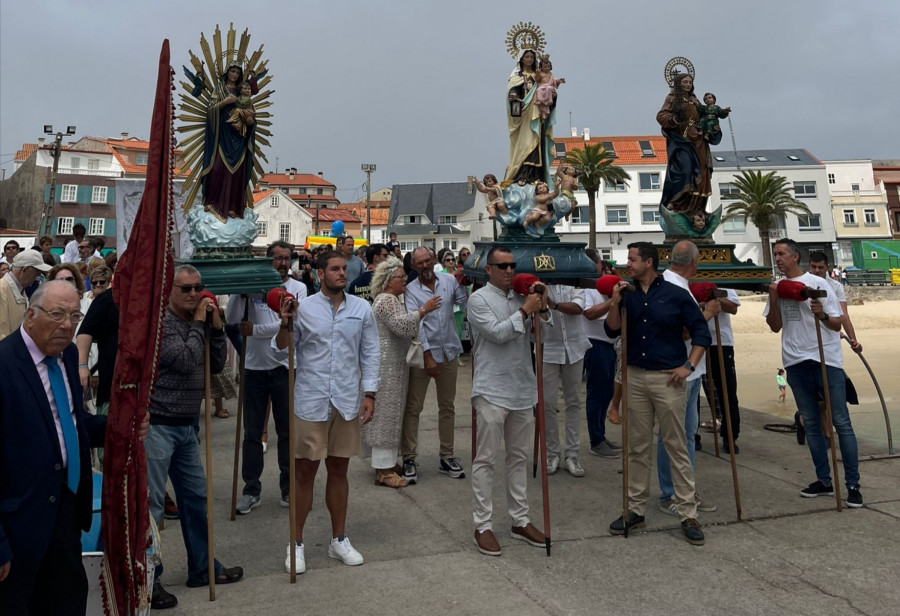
<point>31,470</point>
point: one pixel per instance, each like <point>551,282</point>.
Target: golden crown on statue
<point>525,35</point>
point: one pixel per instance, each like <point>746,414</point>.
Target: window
<point>809,222</point>
<point>646,149</point>
<point>871,218</point>
<point>649,214</point>
<point>727,190</point>
<point>140,159</point>
<point>410,220</point>
<point>407,246</point>
<point>69,193</point>
<point>751,159</point>
<point>96,226</point>
<point>804,189</point>
<point>831,178</point>
<point>762,159</point>
<point>93,163</point>
<point>720,159</point>
<point>734,225</point>
<point>854,187</point>
<point>262,228</point>
<point>274,200</point>
<point>451,244</point>
<point>649,181</point>
<point>560,149</point>
<point>64,226</point>
<point>319,191</point>
<point>581,215</point>
<point>850,218</point>
<point>610,148</point>
<point>98,194</point>
<point>447,220</point>
<point>793,157</point>
<point>301,191</point>
<point>284,231</point>
<point>606,254</point>
<point>618,186</point>
<point>75,162</point>
<point>617,214</point>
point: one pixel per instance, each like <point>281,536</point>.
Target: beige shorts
<point>337,437</point>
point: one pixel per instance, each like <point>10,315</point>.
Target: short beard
<point>427,273</point>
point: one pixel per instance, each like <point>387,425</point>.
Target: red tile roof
<point>379,217</point>
<point>299,179</point>
<point>5,231</point>
<point>628,151</point>
<point>356,205</point>
<point>259,196</point>
<point>26,151</point>
<point>331,215</point>
<point>887,175</point>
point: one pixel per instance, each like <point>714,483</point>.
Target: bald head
<point>685,255</point>
<point>60,299</point>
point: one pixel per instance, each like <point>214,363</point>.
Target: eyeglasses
<point>99,283</point>
<point>503,266</point>
<point>401,276</point>
<point>58,316</point>
<point>186,288</point>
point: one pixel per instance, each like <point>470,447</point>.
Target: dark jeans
<point>805,380</point>
<point>730,387</point>
<point>260,385</point>
<point>600,365</point>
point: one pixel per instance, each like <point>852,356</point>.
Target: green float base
<point>246,275</point>
<point>552,262</point>
<point>719,266</point>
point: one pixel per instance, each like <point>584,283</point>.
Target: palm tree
<point>594,165</point>
<point>763,199</point>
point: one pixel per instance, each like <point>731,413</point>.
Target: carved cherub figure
<point>491,188</point>
<point>543,209</point>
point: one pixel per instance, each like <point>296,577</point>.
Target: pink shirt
<point>37,356</point>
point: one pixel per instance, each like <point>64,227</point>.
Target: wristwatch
<point>689,366</point>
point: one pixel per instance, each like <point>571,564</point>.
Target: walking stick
<point>887,419</point>
<point>624,416</point>
<point>292,437</point>
<point>240,413</point>
<point>828,420</point>
<point>712,407</point>
<point>209,498</point>
<point>727,417</point>
<point>541,426</point>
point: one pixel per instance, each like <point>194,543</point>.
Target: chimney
<point>574,132</point>
<point>124,136</point>
<point>40,141</point>
<point>587,134</point>
<point>291,173</point>
<point>320,174</point>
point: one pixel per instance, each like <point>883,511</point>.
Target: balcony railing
<point>94,172</point>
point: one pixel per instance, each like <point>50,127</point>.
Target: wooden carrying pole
<point>828,421</point>
<point>209,467</point>
<point>240,414</point>
<point>540,426</point>
<point>292,437</point>
<point>712,407</point>
<point>726,412</point>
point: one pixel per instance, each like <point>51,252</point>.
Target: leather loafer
<point>487,543</point>
<point>634,521</point>
<point>691,529</point>
<point>530,535</point>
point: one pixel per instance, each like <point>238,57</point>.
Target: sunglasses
<point>186,288</point>
<point>65,278</point>
<point>449,260</point>
<point>503,266</point>
<point>99,282</point>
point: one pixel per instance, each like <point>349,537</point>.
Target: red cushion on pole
<point>273,298</point>
<point>606,284</point>
<point>791,289</point>
<point>522,283</point>
<point>702,291</point>
<point>208,294</point>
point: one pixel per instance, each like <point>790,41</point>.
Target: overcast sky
<point>418,87</point>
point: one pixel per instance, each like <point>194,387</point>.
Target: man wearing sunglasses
<point>172,448</point>
<point>504,392</point>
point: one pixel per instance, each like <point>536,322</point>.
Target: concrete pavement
<point>790,555</point>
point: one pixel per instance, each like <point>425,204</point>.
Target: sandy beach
<point>758,357</point>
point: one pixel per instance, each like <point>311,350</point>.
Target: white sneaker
<point>344,552</point>
<point>574,468</point>
<point>552,464</point>
<point>301,561</point>
<point>285,501</point>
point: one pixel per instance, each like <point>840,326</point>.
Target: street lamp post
<point>55,151</point>
<point>369,169</point>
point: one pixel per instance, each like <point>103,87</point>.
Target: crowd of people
<point>368,334</point>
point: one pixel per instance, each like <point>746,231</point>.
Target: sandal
<point>614,417</point>
<point>228,575</point>
<point>222,414</point>
<point>390,479</point>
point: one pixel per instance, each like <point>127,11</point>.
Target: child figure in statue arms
<point>709,116</point>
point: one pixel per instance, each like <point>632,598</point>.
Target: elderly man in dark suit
<point>45,462</point>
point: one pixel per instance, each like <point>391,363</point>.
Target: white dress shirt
<point>437,331</point>
<point>565,342</point>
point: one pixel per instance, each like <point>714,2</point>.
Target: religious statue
<point>226,94</point>
<point>689,132</point>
